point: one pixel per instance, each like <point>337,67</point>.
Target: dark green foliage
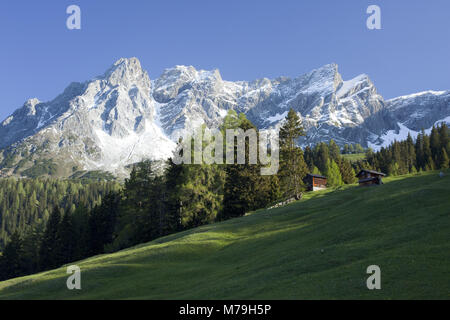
<point>49,250</point>
<point>293,167</point>
<point>428,152</point>
<point>102,222</point>
<point>245,189</point>
<point>443,160</point>
<point>346,171</point>
<point>27,202</point>
<point>67,241</point>
<point>12,262</point>
<point>334,150</point>
<point>321,156</point>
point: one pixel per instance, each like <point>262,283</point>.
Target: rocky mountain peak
<point>127,72</point>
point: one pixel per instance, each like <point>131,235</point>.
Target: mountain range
<point>122,116</point>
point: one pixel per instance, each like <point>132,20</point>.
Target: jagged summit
<point>123,117</point>
<point>127,71</point>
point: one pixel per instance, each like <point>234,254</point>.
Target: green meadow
<point>316,248</point>
<point>354,157</point>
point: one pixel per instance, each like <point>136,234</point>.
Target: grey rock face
<point>123,117</point>
<point>422,110</point>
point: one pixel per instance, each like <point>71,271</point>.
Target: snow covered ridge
<point>402,134</point>
<point>123,116</point>
<point>421,94</point>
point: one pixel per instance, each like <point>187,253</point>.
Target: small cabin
<point>315,182</point>
<point>370,178</point>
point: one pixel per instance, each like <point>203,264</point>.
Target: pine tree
<point>427,154</point>
<point>48,256</point>
<point>420,157</point>
<point>292,165</point>
<point>359,148</point>
<point>275,189</point>
<point>81,225</point>
<point>174,175</point>
<point>334,150</point>
<point>346,149</point>
<point>411,152</point>
<point>444,138</point>
<point>66,235</point>
<point>31,245</point>
<point>102,223</point>
<point>347,172</point>
<point>321,156</point>
<point>308,155</point>
<point>333,174</point>
<point>242,183</point>
<point>443,163</point>
<point>435,145</point>
<point>12,262</point>
<point>316,171</point>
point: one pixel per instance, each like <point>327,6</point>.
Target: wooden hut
<point>315,182</point>
<point>370,178</point>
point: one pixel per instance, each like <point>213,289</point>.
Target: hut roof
<point>316,176</point>
<point>370,171</point>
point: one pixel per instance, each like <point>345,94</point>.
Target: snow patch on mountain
<point>402,134</point>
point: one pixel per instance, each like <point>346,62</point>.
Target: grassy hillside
<point>354,157</point>
<point>318,248</point>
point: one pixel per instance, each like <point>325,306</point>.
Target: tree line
<point>427,152</point>
<point>28,202</point>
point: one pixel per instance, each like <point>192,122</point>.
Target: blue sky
<point>245,39</point>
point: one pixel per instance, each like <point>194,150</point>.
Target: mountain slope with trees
<point>316,248</point>
<point>152,205</point>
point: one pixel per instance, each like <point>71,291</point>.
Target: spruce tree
<point>443,163</point>
<point>243,182</point>
<point>334,150</point>
<point>48,256</point>
<point>347,172</point>
<point>321,156</point>
<point>12,259</point>
<point>292,165</point>
<point>67,239</point>
<point>333,174</point>
<point>435,145</point>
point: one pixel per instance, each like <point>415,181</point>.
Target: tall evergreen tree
<point>242,182</point>
<point>334,150</point>
<point>12,261</point>
<point>321,156</point>
<point>347,172</point>
<point>443,161</point>
<point>435,146</point>
<point>333,174</point>
<point>48,256</point>
<point>292,165</point>
<point>67,241</point>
